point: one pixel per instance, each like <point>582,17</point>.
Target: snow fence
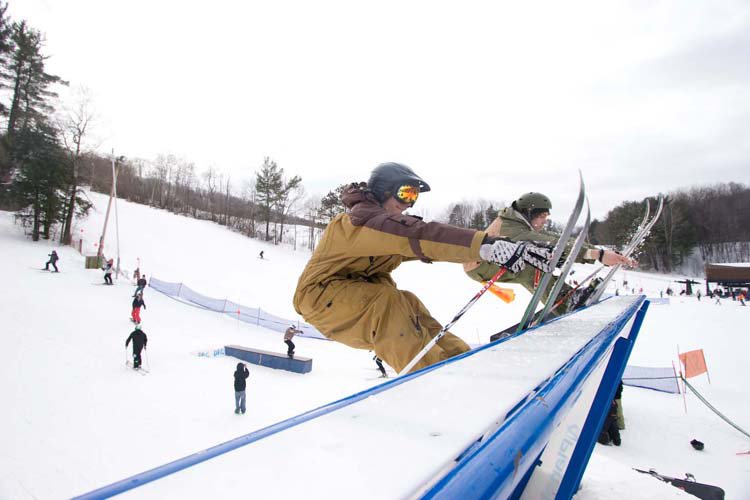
<point>657,379</point>
<point>251,315</point>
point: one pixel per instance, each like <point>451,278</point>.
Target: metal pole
<point>100,251</point>
<point>117,223</point>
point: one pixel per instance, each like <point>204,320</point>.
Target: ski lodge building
<point>728,275</point>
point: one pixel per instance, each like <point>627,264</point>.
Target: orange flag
<point>507,295</point>
<point>694,363</point>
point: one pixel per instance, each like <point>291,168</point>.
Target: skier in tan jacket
<point>346,290</point>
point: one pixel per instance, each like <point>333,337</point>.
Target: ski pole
<point>440,334</point>
<point>145,355</point>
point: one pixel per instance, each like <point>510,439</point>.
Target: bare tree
<point>74,128</point>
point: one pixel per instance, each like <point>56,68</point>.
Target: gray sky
<point>483,99</point>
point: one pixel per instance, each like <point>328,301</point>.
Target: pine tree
<point>268,183</point>
<point>41,182</point>
<point>331,204</point>
<point>30,83</point>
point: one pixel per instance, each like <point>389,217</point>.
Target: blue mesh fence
<point>658,379</point>
<point>251,315</point>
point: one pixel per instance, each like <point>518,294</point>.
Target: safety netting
<point>658,379</point>
<point>251,315</point>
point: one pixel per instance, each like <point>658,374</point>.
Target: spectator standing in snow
<point>137,274</point>
<point>620,414</point>
<point>288,336</point>
<point>135,315</point>
<point>108,272</point>
<point>698,294</point>
<point>53,258</point>
<point>141,285</point>
<point>347,292</point>
<point>140,340</point>
<point>379,362</point>
<point>261,254</point>
<point>610,433</point>
<point>240,381</point>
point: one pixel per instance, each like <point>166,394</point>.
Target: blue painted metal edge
<point>494,469</point>
<point>599,408</point>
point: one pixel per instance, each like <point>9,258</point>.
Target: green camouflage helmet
<point>533,201</point>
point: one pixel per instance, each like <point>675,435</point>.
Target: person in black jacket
<point>610,433</point>
<point>53,258</point>
<point>140,340</point>
<point>379,362</point>
<point>240,378</point>
<point>140,285</point>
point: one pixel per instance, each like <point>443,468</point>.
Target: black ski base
<point>700,490</point>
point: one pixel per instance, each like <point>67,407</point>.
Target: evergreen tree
<point>30,83</point>
<point>6,47</point>
<point>331,204</point>
<point>477,221</point>
<point>491,214</point>
<point>268,184</point>
<point>40,185</point>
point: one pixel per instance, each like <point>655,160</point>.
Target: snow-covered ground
<point>75,418</point>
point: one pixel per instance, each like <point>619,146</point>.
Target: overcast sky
<point>482,99</point>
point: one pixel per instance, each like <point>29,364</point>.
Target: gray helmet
<point>387,177</point>
<point>533,201</point>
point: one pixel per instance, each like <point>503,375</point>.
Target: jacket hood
<point>239,367</point>
<point>357,193</point>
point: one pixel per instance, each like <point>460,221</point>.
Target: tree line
<point>711,219</point>
<point>39,151</point>
<point>45,161</point>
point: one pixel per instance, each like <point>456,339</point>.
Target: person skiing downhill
<point>524,220</point>
<point>108,272</point>
<point>140,340</point>
<point>135,315</point>
<point>379,362</point>
<point>53,258</point>
<point>140,285</point>
<point>346,290</point>
<point>288,336</point>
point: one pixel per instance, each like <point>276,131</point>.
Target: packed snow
<point>76,418</point>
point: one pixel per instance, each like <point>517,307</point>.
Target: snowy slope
<point>77,419</point>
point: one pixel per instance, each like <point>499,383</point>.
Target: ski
<point>688,485</point>
<point>141,370</point>
<point>626,252</point>
<point>577,245</point>
<point>640,236</point>
<point>530,312</point>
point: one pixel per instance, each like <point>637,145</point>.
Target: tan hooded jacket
<point>346,289</point>
<point>368,244</point>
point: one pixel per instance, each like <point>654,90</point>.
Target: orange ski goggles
<point>407,194</point>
